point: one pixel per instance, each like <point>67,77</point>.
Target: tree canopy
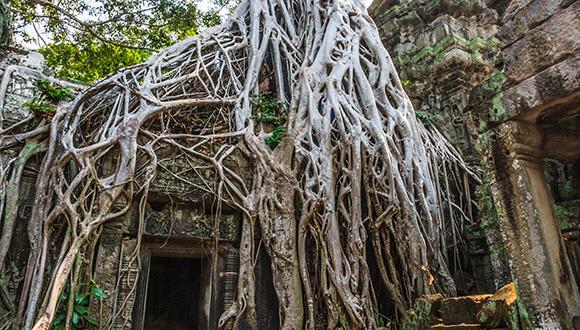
<point>89,39</point>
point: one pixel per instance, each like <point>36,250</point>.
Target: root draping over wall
<point>356,184</point>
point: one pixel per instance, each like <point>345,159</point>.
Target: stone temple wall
<point>178,221</point>
<point>502,80</point>
<point>443,50</point>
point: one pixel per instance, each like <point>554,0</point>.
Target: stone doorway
<point>174,289</point>
<point>174,293</point>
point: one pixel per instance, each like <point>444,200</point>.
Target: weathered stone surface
<point>460,310</point>
<point>523,16</point>
<point>191,181</point>
<point>543,46</point>
<point>182,222</point>
<point>500,309</point>
<point>108,258</point>
<point>540,91</point>
<point>18,88</point>
<point>425,312</point>
<point>534,245</point>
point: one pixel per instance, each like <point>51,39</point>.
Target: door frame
<point>183,248</point>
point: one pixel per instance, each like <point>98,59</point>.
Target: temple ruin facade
<point>500,78</point>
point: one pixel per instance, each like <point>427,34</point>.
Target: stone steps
<point>485,311</point>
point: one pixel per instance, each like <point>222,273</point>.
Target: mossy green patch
<point>498,110</point>
<point>486,205</point>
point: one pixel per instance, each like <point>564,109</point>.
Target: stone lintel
<point>526,143</point>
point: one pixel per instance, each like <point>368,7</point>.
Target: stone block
<point>555,40</point>
<point>522,16</point>
<point>500,309</point>
<point>555,82</point>
<point>460,310</point>
<point>425,312</point>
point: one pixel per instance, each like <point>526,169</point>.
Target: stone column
<point>534,246</point>
<point>106,270</point>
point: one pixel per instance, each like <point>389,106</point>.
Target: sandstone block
<point>460,310</point>
<point>499,310</point>
<point>543,46</point>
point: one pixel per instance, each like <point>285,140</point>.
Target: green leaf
<point>82,298</point>
<point>91,320</point>
<point>75,318</point>
<point>58,319</point>
<point>81,310</point>
<point>98,292</point>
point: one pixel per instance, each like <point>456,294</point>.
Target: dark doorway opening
<point>174,294</point>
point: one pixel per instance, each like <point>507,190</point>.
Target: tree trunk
<point>5,23</point>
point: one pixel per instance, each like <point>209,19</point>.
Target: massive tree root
<point>357,181</point>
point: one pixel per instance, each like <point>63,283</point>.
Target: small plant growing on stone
<point>427,118</point>
<point>270,110</point>
<point>55,92</point>
<point>81,315</point>
<point>52,94</point>
<point>39,105</point>
<point>276,137</point>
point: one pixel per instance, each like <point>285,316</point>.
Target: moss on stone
<point>498,111</point>
<point>479,43</point>
<point>486,205</point>
<point>522,314</point>
<point>420,316</point>
<point>495,83</point>
<point>567,215</point>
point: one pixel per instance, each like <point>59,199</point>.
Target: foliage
<point>81,316</point>
<point>55,92</point>
<point>276,137</point>
<point>428,118</point>
<point>51,95</point>
<point>567,214</point>
<point>89,60</point>
<point>270,111</point>
<point>5,22</point>
<point>567,188</point>
<point>39,105</point>
<point>87,40</point>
